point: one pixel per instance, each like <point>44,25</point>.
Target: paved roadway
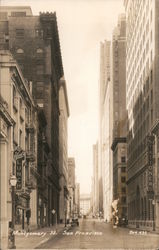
<point>93,234</point>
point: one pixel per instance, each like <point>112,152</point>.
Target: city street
<point>93,234</point>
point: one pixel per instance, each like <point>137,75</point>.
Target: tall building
<point>85,207</point>
<point>18,148</point>
<point>95,187</point>
<point>105,136</point>
<point>119,147</point>
<point>142,102</point>
<point>63,155</point>
<point>34,42</point>
<point>71,187</point>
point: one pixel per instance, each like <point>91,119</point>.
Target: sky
<point>82,25</point>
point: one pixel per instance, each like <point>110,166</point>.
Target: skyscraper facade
<point>142,102</point>
<point>105,133</point>
<point>71,187</point>
<point>119,147</point>
<point>95,187</point>
<point>63,154</point>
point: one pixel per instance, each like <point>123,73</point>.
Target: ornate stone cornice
<point>5,115</point>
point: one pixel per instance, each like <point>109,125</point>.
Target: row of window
<point>20,33</point>
<point>21,51</point>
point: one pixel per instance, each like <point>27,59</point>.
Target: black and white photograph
<point>79,124</point>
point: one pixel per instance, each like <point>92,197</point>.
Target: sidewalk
<point>33,239</point>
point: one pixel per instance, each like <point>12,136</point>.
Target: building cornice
<point>5,114</point>
<point>50,17</point>
<point>118,140</point>
<point>6,60</point>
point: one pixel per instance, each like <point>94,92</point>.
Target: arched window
<point>20,51</point>
<point>39,50</point>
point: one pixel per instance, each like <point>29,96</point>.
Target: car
<point>75,222</point>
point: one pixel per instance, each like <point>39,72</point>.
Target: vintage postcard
<point>79,124</point>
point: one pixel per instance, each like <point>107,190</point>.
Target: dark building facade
<point>34,42</point>
<point>119,145</point>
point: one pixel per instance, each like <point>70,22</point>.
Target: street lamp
<point>65,210</point>
<point>13,182</point>
<point>153,213</point>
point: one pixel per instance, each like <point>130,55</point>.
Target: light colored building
<point>63,148</point>
<point>119,147</point>
<point>105,137</point>
<point>85,207</point>
<point>71,187</point>
<point>18,147</point>
<point>95,180</point>
<point>142,102</point>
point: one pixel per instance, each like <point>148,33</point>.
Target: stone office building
<point>18,147</point>
<point>71,187</point>
<point>95,180</point>
<point>34,42</point>
<point>119,146</point>
<point>63,150</point>
<point>105,130</point>
<point>142,92</point>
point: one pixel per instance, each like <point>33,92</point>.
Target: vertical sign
<point>19,174</point>
<point>150,163</point>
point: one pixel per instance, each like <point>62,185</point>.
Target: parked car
<point>75,222</point>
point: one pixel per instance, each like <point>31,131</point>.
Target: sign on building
<point>19,174</point>
<point>150,163</point>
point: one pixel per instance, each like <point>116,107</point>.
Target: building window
<point>19,33</point>
<point>123,199</point>
<point>123,190</point>
<point>123,169</point>
<point>123,179</point>
<point>18,14</point>
<point>20,51</point>
<point>40,89</point>
<point>20,100</point>
<point>3,16</point>
<point>123,159</point>
<point>40,69</point>
<point>14,95</point>
<point>20,138</point>
<point>39,51</point>
<point>39,33</point>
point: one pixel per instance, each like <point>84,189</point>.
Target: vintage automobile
<point>75,222</point>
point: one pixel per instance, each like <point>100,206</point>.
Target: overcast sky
<point>82,24</point>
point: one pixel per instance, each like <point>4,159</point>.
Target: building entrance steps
<point>34,238</point>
